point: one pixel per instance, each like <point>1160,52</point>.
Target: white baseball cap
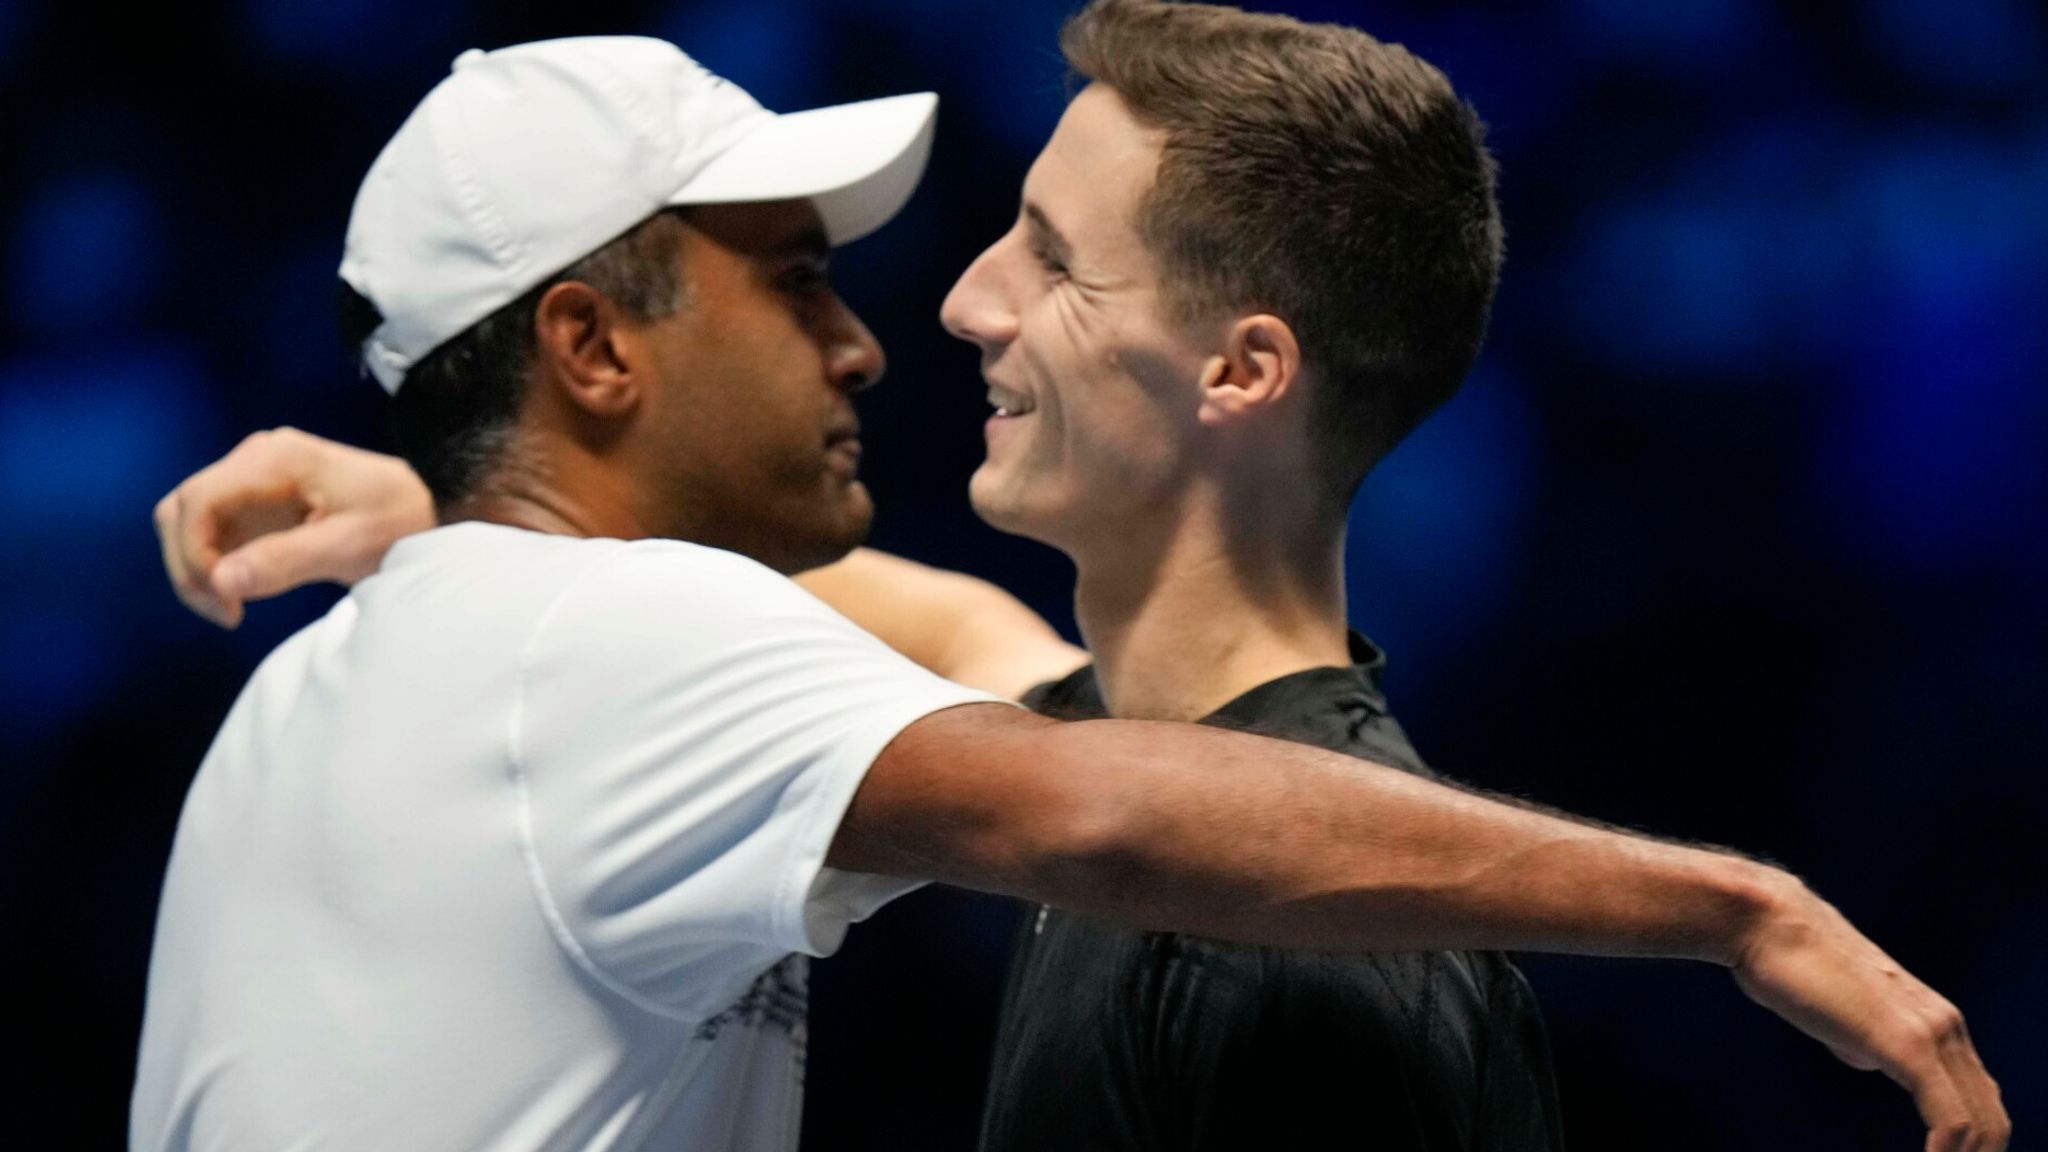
<point>527,159</point>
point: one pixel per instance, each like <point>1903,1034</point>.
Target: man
<point>1194,454</point>
<point>1081,816</point>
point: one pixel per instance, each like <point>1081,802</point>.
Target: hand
<point>1811,966</point>
<point>285,508</point>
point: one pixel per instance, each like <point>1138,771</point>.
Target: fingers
<point>279,561</point>
<point>1978,1090</point>
<point>1812,967</point>
<point>1957,1098</point>
<point>1989,1127</point>
<point>194,520</point>
<point>187,568</point>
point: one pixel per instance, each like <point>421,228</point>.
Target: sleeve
<point>690,729</point>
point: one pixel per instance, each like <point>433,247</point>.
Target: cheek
<point>1073,376</point>
<point>727,439</point>
<point>1120,420</point>
<point>1106,414</point>
<point>764,406</point>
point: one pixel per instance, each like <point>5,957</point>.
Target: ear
<point>593,355</point>
<point>1259,365</point>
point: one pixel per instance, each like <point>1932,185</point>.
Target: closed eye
<point>805,278</point>
<point>1048,246</point>
<point>1052,264</point>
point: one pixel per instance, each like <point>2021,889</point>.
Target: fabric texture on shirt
<point>520,847</point>
<point>1115,1038</point>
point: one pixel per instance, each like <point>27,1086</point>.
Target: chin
<point>815,536</point>
<point>1003,508</point>
<point>987,495</point>
<point>849,529</point>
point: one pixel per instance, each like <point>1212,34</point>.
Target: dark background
<point>1739,531</point>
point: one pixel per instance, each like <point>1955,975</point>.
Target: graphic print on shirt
<point>779,999</point>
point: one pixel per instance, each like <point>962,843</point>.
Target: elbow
<point>989,798</point>
<point>1087,840</point>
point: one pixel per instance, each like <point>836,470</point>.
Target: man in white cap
<point>514,850</point>
<point>521,845</point>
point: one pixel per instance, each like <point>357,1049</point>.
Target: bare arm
<point>1185,828</point>
<point>965,629</point>
<point>1172,826</point>
<point>288,508</point>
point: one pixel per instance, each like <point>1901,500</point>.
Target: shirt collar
<point>1329,701</point>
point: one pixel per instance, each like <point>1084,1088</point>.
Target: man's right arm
<point>1179,827</point>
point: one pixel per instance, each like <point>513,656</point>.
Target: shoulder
<point>649,590</point>
<point>278,684</point>
<point>677,568</point>
<point>515,557</point>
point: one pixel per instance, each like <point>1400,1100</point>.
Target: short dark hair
<point>1313,171</point>
<point>455,415</point>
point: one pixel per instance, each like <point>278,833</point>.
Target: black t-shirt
<point>1115,1038</point>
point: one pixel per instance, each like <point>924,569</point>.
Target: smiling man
<point>682,769</point>
<point>1197,345</point>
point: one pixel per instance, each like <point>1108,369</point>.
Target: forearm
<point>958,626</point>
<point>1180,827</point>
<point>911,607</point>
<point>1253,839</point>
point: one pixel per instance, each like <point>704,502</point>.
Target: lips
<point>844,443</point>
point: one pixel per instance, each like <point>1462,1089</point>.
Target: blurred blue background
<point>1739,531</point>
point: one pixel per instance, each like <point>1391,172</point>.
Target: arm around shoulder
<point>959,626</point>
<point>1179,827</point>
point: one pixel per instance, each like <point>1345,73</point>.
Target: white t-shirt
<point>520,847</point>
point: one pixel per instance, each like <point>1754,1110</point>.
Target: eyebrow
<point>1043,233</point>
<point>809,241</point>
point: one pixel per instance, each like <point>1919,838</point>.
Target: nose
<point>854,358</point>
<point>978,309</point>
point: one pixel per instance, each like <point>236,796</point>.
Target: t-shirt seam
<point>784,921</point>
<point>787,918</point>
<point>558,924</point>
<point>790,914</point>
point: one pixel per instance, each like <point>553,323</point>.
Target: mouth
<point>1009,404</point>
<point>843,445</point>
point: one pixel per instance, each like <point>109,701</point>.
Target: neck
<point>1181,624</point>
<point>560,493</point>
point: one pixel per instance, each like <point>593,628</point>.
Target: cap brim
<point>858,163</point>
